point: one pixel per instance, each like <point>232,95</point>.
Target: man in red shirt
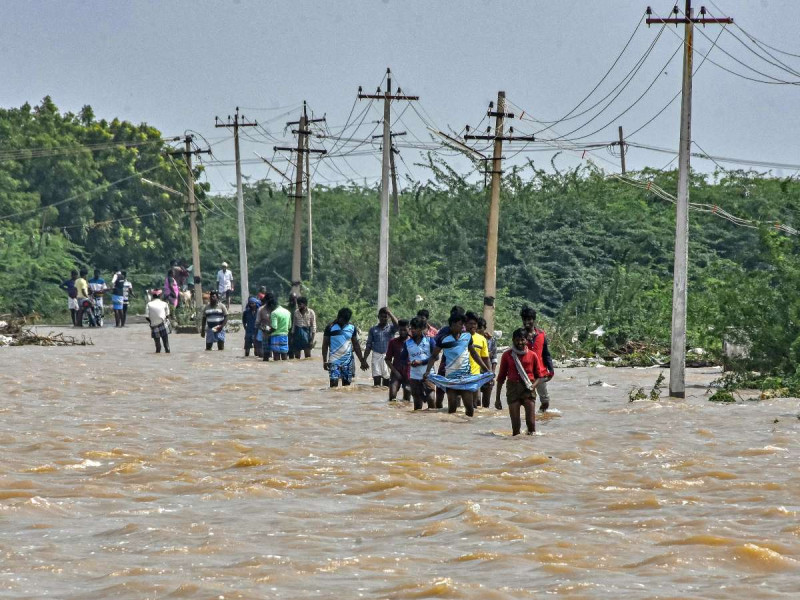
<point>397,361</point>
<point>428,329</point>
<point>524,371</point>
<point>537,341</point>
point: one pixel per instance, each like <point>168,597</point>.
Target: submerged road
<point>126,474</point>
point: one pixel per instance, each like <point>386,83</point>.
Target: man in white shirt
<point>157,313</point>
<point>225,284</point>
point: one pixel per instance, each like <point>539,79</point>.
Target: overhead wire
<point>99,188</point>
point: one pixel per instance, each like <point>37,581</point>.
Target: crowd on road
<point>400,354</point>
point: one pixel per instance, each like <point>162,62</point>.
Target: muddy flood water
<point>126,474</point>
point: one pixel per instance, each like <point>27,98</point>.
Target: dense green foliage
<point>584,249</point>
<point>71,194</point>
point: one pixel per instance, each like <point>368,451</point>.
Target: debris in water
<point>15,332</point>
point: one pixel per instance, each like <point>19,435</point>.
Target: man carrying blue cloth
<point>458,381</point>
<point>341,339</point>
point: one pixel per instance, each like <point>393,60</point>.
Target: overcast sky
<point>178,64</point>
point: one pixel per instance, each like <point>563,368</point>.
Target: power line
<point>105,186</point>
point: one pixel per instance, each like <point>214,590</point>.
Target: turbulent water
<point>198,474</point>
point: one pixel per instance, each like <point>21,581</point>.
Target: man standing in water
<point>458,349</point>
<point>481,347</point>
<point>524,371</point>
<point>397,361</point>
<point>127,294</point>
<point>225,284</point>
<point>377,342</point>
<point>537,341</point>
<point>68,285</point>
<point>98,287</point>
<point>156,312</point>
<point>215,316</point>
<point>304,328</point>
<point>419,348</point>
<point>486,390</point>
<point>264,325</point>
<point>249,316</point>
<point>428,329</point>
<point>341,338</point>
<point>280,321</point>
<point>118,298</point>
<point>82,295</point>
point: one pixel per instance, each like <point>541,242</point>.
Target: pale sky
<point>178,64</point>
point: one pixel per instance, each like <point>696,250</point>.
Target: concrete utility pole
<point>302,133</point>
<point>239,121</point>
<point>393,171</point>
<point>395,197</point>
<point>383,252</point>
<point>677,371</point>
<point>310,219</point>
<point>490,275</point>
<point>192,209</point>
<point>622,150</point>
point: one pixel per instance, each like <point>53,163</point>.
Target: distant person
<point>249,316</point>
<point>280,320</point>
<point>524,371</point>
<point>419,348</point>
<point>397,361</point>
<point>262,292</point>
<point>68,285</point>
<point>84,298</point>
<point>98,288</point>
<point>118,298</point>
<point>171,289</point>
<point>537,341</point>
<point>215,316</point>
<point>225,284</point>
<point>157,313</point>
<point>180,272</point>
<point>304,328</point>
<point>486,390</point>
<point>127,294</point>
<point>341,338</point>
<point>481,346</point>
<point>291,307</point>
<point>264,327</point>
<point>377,342</point>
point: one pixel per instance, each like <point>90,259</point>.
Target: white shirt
<point>157,311</point>
<point>224,280</point>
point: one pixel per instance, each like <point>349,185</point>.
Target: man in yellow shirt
<point>82,286</point>
<point>481,346</point>
<point>82,289</point>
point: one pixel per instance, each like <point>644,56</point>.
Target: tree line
<point>583,249</point>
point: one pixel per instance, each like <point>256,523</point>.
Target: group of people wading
<point>401,354</point>
<point>404,354</point>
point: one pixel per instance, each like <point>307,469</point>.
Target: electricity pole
<point>192,209</point>
<point>490,275</point>
<point>395,198</point>
<point>239,121</point>
<point>302,148</point>
<point>393,171</point>
<point>310,219</point>
<point>383,252</point>
<point>622,150</point>
<point>677,371</point>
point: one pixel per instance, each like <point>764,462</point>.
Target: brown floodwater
<point>126,474</point>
